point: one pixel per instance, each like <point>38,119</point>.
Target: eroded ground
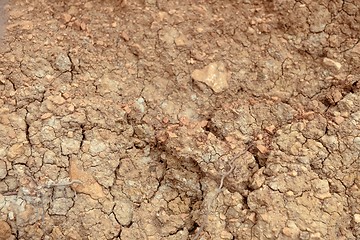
<point>180,120</point>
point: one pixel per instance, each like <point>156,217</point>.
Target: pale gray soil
<point>155,119</point>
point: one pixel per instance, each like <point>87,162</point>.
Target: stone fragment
<point>287,231</point>
<point>89,185</point>
<point>125,36</point>
<point>261,148</point>
<point>316,236</point>
<point>339,119</point>
<point>97,146</point>
<point>47,133</point>
<point>322,189</point>
<point>336,95</point>
<point>214,75</point>
<point>5,230</point>
<point>57,99</point>
<point>258,179</point>
<point>73,10</point>
<point>270,129</point>
<point>56,233</point>
<point>357,218</point>
<point>123,211</point>
<point>46,115</point>
<point>66,17</point>
<point>63,62</point>
<point>76,117</point>
<point>168,35</point>
<point>331,63</point>
<point>181,40</point>
<point>226,235</point>
<point>16,150</point>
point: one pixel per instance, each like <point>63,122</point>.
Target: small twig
<point>218,190</point>
<point>9,193</point>
<point>64,184</point>
<point>224,175</point>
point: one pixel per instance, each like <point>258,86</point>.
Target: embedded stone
<point>214,75</point>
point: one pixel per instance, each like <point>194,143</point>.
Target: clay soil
<point>155,119</point>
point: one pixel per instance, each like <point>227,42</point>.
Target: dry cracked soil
<point>155,119</point>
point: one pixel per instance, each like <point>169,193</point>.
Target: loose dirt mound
<point>154,119</point>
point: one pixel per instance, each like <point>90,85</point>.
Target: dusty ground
<point>164,119</point>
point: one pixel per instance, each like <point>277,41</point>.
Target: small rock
<point>261,148</point>
<point>214,75</point>
<point>73,11</point>
<point>56,233</point>
<point>290,193</point>
<point>222,216</point>
<point>270,129</point>
<point>97,146</point>
<point>226,235</point>
<point>330,142</point>
<point>125,36</point>
<point>63,62</point>
<point>258,179</point>
<point>331,63</point>
<point>123,211</point>
<point>336,95</point>
<point>47,133</point>
<point>71,108</point>
<point>292,231</point>
<point>89,184</point>
<point>5,230</point>
<point>136,49</point>
<point>88,5</point>
<point>338,119</point>
<point>66,17</point>
<point>57,99</point>
<point>46,115</point>
<point>181,40</point>
<point>357,218</point>
<point>168,35</point>
<point>323,196</point>
<point>16,150</point>
<point>316,236</point>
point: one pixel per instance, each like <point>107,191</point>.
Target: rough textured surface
<point>214,75</point>
<point>180,120</point>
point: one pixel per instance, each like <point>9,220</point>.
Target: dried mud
<point>154,119</point>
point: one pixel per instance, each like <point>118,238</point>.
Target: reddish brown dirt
<point>154,119</point>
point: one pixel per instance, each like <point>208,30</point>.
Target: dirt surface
<point>155,119</point>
